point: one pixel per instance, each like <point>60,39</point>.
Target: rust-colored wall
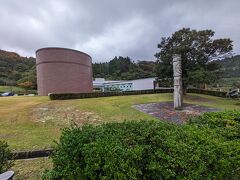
<point>61,70</point>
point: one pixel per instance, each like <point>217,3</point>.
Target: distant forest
<point>15,69</point>
<point>230,67</point>
<point>123,68</point>
<point>127,69</point>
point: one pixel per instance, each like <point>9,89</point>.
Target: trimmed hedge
<point>148,150</point>
<point>26,92</point>
<point>207,92</point>
<point>22,92</point>
<point>62,96</point>
<point>105,94</point>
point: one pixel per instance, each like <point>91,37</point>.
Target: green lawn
<point>9,88</point>
<point>28,123</point>
<point>119,108</point>
<point>31,169</point>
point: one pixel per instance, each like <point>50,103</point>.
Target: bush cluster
<point>226,123</point>
<point>5,157</point>
<point>149,150</point>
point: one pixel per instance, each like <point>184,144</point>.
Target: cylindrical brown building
<point>61,70</point>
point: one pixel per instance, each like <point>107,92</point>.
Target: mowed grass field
<point>29,123</point>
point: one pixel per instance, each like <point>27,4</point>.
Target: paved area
<point>165,111</point>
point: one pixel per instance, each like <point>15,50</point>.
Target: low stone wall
<point>31,154</point>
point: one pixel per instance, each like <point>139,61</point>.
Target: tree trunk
<point>184,90</point>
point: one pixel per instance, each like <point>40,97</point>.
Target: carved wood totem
<point>177,75</point>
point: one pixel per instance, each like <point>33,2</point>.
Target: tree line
<point>123,68</point>
<point>15,69</point>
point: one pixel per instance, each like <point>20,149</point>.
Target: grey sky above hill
<point>108,28</point>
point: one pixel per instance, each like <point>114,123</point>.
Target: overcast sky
<point>108,28</point>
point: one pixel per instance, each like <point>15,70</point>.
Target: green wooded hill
<point>123,68</point>
<point>230,67</point>
<point>15,69</point>
<point>126,69</point>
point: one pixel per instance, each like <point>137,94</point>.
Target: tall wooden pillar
<point>177,74</point>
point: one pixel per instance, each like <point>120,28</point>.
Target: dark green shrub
<point>226,123</point>
<point>144,150</point>
<point>5,157</point>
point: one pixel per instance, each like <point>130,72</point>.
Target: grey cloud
<point>109,28</point>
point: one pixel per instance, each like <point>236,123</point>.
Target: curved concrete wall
<point>61,70</point>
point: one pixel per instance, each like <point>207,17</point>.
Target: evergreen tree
<point>198,50</point>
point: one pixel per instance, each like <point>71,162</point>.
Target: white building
<point>131,85</point>
<point>143,84</point>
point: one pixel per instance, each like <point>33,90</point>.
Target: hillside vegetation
<point>15,69</point>
<point>127,69</point>
<point>230,67</point>
<point>123,68</point>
